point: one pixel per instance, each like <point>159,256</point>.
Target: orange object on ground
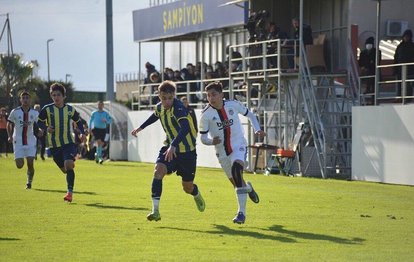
<point>285,153</point>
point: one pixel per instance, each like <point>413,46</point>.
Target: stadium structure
<point>309,98</point>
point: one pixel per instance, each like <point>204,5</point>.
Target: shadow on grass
<point>313,236</point>
<point>64,191</point>
<point>9,239</point>
<point>100,205</point>
<point>224,230</point>
<point>289,236</point>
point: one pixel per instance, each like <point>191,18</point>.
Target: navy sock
<point>156,188</point>
<point>70,179</point>
<point>195,190</point>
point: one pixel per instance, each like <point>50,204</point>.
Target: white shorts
<point>227,161</point>
<point>24,151</point>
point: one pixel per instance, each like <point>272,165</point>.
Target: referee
<point>98,123</point>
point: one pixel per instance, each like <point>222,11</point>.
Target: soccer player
<point>220,126</point>
<point>21,127</point>
<point>98,123</point>
<point>57,119</point>
<point>179,153</point>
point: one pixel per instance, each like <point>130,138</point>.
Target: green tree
<point>14,75</point>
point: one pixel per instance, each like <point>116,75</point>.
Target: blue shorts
<point>65,152</point>
<point>184,164</point>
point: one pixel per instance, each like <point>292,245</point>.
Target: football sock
<point>195,190</point>
<point>248,188</point>
<point>241,193</point>
<point>30,177</point>
<point>156,191</point>
<point>70,179</point>
<point>99,151</point>
<point>236,172</point>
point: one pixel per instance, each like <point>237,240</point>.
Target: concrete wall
<point>383,144</point>
<point>124,89</point>
<point>145,148</point>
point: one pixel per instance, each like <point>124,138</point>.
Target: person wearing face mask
<point>367,64</point>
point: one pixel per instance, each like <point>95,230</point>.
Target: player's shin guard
<point>156,191</point>
<point>70,179</point>
<point>236,172</point>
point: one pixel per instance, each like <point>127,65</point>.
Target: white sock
<point>155,204</point>
<point>241,195</point>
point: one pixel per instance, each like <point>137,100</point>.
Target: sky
<point>78,27</point>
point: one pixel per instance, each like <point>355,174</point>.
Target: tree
<point>14,75</point>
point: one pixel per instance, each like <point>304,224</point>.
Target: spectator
<point>191,112</point>
<point>236,65</point>
<point>3,131</point>
<point>405,54</point>
<point>273,34</point>
<point>367,64</point>
<point>306,38</point>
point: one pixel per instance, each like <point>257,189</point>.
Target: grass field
<point>297,219</point>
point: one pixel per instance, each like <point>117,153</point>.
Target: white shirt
<point>23,126</point>
<point>225,123</point>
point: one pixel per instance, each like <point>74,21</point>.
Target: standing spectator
<point>21,129</point>
<point>3,131</point>
<point>367,64</point>
<point>56,119</point>
<point>41,140</point>
<point>307,39</point>
<point>405,54</point>
<point>98,123</point>
<point>179,153</point>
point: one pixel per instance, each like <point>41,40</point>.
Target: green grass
<point>297,219</point>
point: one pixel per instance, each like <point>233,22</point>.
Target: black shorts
<point>99,133</point>
<point>184,164</point>
<point>65,152</point>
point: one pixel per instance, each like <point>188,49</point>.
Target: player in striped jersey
<point>21,127</point>
<point>220,126</point>
<point>179,153</point>
<point>57,119</point>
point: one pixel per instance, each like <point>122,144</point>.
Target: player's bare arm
<point>136,131</point>
<point>260,133</point>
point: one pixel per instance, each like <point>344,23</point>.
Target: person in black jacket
<point>307,39</point>
<point>367,64</point>
<point>405,54</point>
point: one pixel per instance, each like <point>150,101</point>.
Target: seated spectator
<point>234,55</point>
<point>274,33</point>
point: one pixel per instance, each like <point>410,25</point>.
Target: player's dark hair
<point>58,87</point>
<point>24,92</point>
<point>216,86</point>
<point>167,87</point>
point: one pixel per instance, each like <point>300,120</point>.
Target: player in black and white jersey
<point>21,127</point>
<point>220,126</point>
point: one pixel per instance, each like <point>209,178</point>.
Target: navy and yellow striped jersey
<point>170,123</point>
<point>61,119</point>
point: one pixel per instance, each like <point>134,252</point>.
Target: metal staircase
<point>323,101</point>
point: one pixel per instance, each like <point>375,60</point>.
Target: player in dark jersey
<point>179,153</point>
<point>56,119</point>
